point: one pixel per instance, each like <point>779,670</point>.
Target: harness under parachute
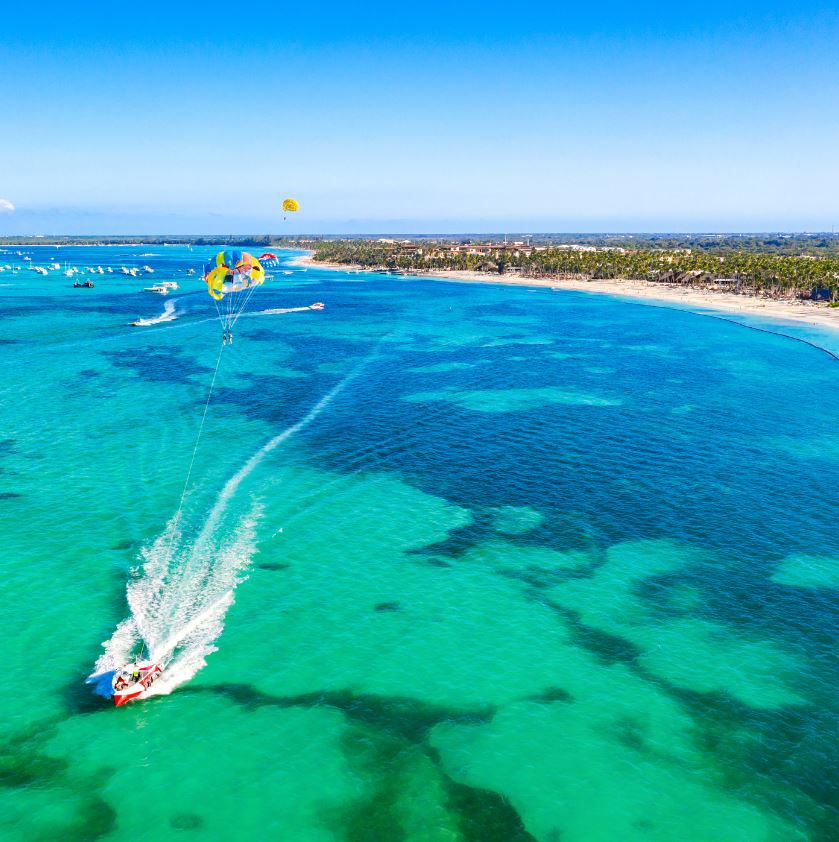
<point>232,277</point>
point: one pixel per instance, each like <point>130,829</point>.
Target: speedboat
<point>158,288</point>
<point>133,680</point>
<point>148,270</point>
<point>318,305</point>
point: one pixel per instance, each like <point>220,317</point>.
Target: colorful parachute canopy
<point>232,276</point>
<point>290,206</point>
<point>231,272</point>
<point>268,256</point>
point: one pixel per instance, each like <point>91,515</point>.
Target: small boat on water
<point>158,289</point>
<point>318,305</point>
<point>133,680</point>
<point>168,284</point>
<point>125,271</point>
<point>190,271</point>
<point>148,270</point>
<point>88,284</point>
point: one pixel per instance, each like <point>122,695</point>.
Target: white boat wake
<point>179,595</point>
<point>168,315</point>
<point>277,311</point>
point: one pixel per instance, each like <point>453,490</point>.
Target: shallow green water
<point>456,563</point>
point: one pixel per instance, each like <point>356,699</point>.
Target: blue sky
<point>433,117</point>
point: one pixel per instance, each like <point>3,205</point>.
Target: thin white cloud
<point>6,206</point>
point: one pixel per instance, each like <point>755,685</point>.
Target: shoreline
<point>807,312</point>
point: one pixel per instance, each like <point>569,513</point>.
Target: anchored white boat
<point>159,289</point>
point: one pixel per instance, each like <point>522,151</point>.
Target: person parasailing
<point>232,277</point>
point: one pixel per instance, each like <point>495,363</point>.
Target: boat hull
<point>149,673</point>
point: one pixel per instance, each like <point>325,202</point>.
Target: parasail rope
<point>248,296</point>
<point>195,448</point>
<point>189,471</point>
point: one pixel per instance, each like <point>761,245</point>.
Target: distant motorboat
<point>168,284</point>
<point>190,271</point>
<point>158,289</point>
<point>148,270</point>
<point>109,269</point>
<point>125,271</point>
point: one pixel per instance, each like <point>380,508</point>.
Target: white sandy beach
<point>809,312</point>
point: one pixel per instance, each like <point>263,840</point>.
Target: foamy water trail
<point>278,311</point>
<point>180,593</point>
<point>168,315</point>
<point>235,481</point>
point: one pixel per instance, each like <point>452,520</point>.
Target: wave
<point>168,315</point>
<point>276,311</point>
<point>180,593</point>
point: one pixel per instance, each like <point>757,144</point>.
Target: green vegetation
<point>749,271</point>
<point>223,240</point>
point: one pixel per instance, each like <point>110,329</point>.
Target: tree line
<point>749,272</point>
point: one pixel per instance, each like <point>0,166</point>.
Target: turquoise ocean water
<point>456,562</point>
